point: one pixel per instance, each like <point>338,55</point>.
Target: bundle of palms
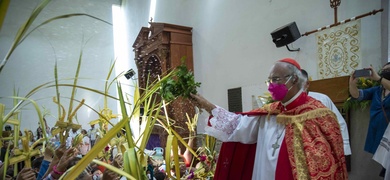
<point>133,144</point>
<point>105,115</point>
<point>27,151</point>
<point>12,118</point>
<point>207,156</point>
<point>132,154</point>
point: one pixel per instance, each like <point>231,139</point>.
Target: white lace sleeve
<point>227,126</point>
<point>224,120</point>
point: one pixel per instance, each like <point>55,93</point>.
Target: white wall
<point>32,63</point>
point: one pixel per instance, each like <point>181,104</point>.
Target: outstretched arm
<point>202,102</point>
<point>187,154</point>
<point>353,90</point>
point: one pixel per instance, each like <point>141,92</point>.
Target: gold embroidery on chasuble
<point>314,142</point>
<point>272,108</point>
<point>338,50</point>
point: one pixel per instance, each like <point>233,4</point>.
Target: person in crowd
<point>96,173</point>
<point>48,157</point>
<point>86,144</point>
<point>71,136</point>
<point>39,130</point>
<point>92,134</point>
<point>382,154</point>
<point>8,128</point>
<point>380,105</point>
<point>55,139</point>
<point>297,136</point>
<point>56,156</point>
<point>74,132</point>
<point>8,174</point>
<point>3,150</point>
<point>159,175</point>
<point>31,135</point>
<point>36,164</point>
<point>26,174</point>
<point>329,104</point>
<point>7,131</point>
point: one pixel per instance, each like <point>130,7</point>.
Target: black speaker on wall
<point>285,35</point>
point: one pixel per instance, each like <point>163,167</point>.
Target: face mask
<point>97,177</point>
<point>385,74</point>
<point>278,91</point>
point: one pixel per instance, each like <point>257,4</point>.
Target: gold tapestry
<point>338,50</point>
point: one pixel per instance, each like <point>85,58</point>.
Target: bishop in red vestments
<point>296,137</point>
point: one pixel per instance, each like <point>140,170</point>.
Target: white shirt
<point>70,138</point>
<point>86,146</point>
<point>92,134</point>
<point>73,134</point>
<point>343,125</point>
<point>249,130</point>
<point>69,142</point>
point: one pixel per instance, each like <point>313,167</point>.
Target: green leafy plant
<point>181,85</point>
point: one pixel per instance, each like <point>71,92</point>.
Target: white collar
<point>293,98</point>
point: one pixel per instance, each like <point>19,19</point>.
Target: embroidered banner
<point>338,50</point>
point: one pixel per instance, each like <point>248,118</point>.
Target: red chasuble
<point>312,147</point>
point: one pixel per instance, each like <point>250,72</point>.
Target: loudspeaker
<point>129,74</point>
<point>285,34</point>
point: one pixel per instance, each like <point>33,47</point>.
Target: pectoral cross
<point>275,146</point>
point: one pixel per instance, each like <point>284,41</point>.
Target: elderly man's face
<point>279,74</point>
<point>280,81</point>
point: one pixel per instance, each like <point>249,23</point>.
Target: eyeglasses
<point>275,79</point>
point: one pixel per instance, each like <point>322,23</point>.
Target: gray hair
<point>295,71</point>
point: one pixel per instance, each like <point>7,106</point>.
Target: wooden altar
<point>158,49</point>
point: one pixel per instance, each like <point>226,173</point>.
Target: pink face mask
<point>278,91</point>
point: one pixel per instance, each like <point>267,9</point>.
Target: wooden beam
<point>342,22</point>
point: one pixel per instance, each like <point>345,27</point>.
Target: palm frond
<point>22,31</point>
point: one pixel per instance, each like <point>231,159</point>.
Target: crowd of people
<point>57,157</point>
